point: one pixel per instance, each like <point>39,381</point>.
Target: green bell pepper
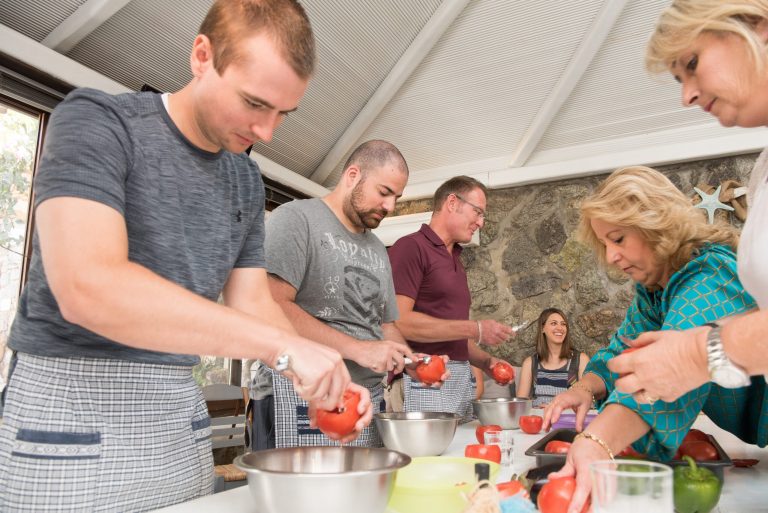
<point>696,489</point>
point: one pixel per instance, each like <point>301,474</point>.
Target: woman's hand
<point>576,398</point>
<point>666,365</point>
<point>582,453</point>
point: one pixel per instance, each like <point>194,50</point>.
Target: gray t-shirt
<point>341,278</point>
<point>191,215</point>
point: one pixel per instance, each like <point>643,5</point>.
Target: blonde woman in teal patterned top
<point>685,274</point>
<point>718,52</point>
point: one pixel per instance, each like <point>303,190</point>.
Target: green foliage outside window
<point>17,146</point>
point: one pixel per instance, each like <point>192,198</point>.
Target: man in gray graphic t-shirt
<point>332,277</point>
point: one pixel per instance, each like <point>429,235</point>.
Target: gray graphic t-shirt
<point>341,278</point>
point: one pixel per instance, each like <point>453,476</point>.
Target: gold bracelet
<point>597,439</point>
<point>479,333</point>
<point>579,384</point>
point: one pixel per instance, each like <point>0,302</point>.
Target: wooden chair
<point>226,406</point>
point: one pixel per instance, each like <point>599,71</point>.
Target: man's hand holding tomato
<point>491,363</point>
<point>364,410</point>
<point>430,374</point>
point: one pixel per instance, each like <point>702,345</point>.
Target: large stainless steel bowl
<point>417,433</point>
<point>338,479</point>
<point>504,412</point>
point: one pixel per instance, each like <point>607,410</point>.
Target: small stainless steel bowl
<point>338,479</point>
<point>503,412</point>
<point>417,433</point>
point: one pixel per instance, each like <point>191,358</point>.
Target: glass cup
<point>631,486</point>
<point>505,442</point>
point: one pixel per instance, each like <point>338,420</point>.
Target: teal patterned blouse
<point>705,289</point>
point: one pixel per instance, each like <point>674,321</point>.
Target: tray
<point>567,435</point>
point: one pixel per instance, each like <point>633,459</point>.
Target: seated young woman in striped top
<point>554,365</point>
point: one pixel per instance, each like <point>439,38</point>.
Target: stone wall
<point>528,258</point>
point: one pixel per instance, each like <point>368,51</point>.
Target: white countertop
<point>745,490</point>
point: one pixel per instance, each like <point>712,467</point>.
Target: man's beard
<point>358,216</point>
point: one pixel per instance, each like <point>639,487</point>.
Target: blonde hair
<point>685,20</point>
<point>642,198</point>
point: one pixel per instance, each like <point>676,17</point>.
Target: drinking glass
<point>631,486</point>
<point>505,442</point>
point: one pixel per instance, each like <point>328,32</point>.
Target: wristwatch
<point>722,370</point>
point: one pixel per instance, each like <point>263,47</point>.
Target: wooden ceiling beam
<point>590,45</point>
<point>82,22</point>
<point>422,44</point>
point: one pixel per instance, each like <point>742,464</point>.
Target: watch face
<point>728,377</point>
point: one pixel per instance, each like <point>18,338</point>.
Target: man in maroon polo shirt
<point>433,299</point>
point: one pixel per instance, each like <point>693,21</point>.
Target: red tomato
<point>503,373</point>
<point>699,450</point>
<point>695,434</point>
<point>531,424</point>
<point>557,447</point>
<point>510,488</point>
<point>480,431</point>
<point>338,424</point>
<point>484,452</point>
<point>555,496</point>
<point>431,372</point>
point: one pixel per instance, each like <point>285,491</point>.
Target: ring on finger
<point>649,398</point>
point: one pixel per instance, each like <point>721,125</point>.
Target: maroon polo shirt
<point>424,270</point>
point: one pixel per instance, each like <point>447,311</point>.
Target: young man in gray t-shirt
<point>146,210</point>
<point>332,277</point>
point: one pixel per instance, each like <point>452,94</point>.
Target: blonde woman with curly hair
<point>685,276</point>
<point>717,51</point>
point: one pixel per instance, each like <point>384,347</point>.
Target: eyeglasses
<point>478,211</point>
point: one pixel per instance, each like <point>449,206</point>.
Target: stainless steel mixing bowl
<point>417,433</point>
<point>338,479</point>
<point>503,412</point>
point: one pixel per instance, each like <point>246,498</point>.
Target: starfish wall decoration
<point>711,202</point>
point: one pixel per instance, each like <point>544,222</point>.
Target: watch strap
<point>717,360</point>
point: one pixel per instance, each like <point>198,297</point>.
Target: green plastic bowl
<point>435,484</point>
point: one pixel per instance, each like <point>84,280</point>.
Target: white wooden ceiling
<point>509,91</point>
